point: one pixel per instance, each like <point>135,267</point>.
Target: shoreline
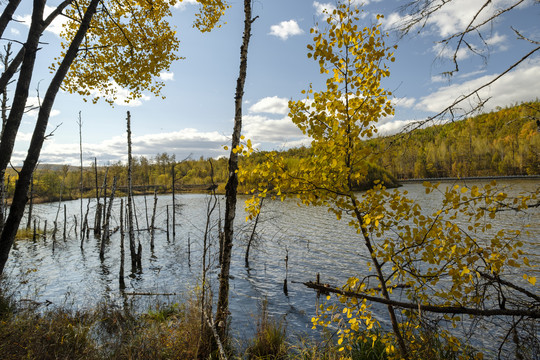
<point>472,178</point>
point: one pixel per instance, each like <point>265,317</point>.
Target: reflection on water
<point>315,242</point>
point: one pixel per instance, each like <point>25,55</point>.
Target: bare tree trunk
<point>106,235</point>
<point>65,223</point>
<point>133,252</point>
<point>81,176</point>
<point>2,201</point>
<point>152,227</point>
<point>5,61</point>
<point>11,126</point>
<point>31,204</point>
<point>97,217</point>
<point>122,284</point>
<point>85,230</point>
<point>168,223</point>
<point>173,202</point>
<point>10,70</point>
<point>146,212</point>
<point>105,195</point>
<point>7,15</point>
<point>21,190</point>
<point>232,183</point>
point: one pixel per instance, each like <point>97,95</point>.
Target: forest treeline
<point>499,143</point>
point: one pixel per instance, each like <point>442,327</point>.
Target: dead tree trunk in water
<point>232,183</point>
<point>168,223</point>
<point>64,234</point>
<point>97,218</point>
<point>135,253</point>
<point>81,182</point>
<point>173,173</point>
<point>104,189</point>
<point>152,225</point>
<point>122,284</point>
<point>106,234</point>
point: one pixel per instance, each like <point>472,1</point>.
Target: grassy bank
<point>173,331</point>
<point>29,330</point>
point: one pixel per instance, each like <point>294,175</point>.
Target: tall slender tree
<point>232,182</point>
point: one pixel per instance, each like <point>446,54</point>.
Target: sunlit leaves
<point>129,43</point>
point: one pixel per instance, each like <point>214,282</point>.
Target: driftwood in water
<point>149,294</point>
<point>152,226</point>
<point>121,275</point>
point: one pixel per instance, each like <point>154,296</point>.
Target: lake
<point>314,241</point>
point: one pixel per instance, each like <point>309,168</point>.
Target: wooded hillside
<point>499,143</point>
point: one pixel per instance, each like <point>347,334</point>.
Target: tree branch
<point>325,288</point>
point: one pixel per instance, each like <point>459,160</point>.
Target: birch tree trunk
<point>232,182</point>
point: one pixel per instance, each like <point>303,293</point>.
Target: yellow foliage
<point>438,256</point>
<point>128,45</point>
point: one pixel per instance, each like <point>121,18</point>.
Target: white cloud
<point>184,3</point>
<point>263,129</point>
<point>391,126</point>
<point>166,76</point>
<point>498,41</point>
<point>405,102</point>
<point>182,143</point>
<point>285,29</point>
<point>512,88</point>
<point>15,31</point>
<point>271,105</point>
<point>55,27</point>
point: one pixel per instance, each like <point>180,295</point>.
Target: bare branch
<point>325,288</point>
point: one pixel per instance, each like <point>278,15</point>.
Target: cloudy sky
<point>196,118</point>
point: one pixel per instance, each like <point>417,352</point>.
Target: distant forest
<point>499,143</point>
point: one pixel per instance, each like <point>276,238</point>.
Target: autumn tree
<point>447,261</point>
<point>105,47</point>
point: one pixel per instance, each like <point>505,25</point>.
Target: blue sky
<point>196,118</point>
